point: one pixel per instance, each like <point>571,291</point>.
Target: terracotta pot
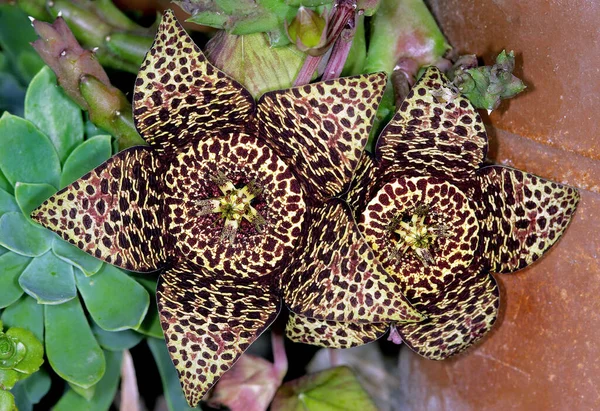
<point>544,352</point>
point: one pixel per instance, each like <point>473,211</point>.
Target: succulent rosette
<point>440,223</point>
<point>235,201</point>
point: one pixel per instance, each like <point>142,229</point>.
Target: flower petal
<point>209,322</point>
<point>332,334</point>
<point>434,132</point>
<point>113,213</point>
<point>521,216</point>
<point>467,312</point>
<point>362,186</point>
<point>337,277</point>
<point>322,128</point>
<point>179,95</point>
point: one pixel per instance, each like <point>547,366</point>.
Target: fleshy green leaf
<point>7,203</point>
<point>26,154</point>
<point>104,391</point>
<point>8,379</point>
<point>114,299</point>
<point>85,157</point>
<point>151,324</point>
<point>116,340</point>
<point>4,184</point>
<point>19,234</point>
<point>30,195</point>
<point>71,347</point>
<point>49,279</point>
<point>7,401</point>
<point>168,375</point>
<point>21,399</point>
<point>37,385</point>
<point>27,314</point>
<point>333,389</point>
<point>48,107</point>
<point>86,393</point>
<point>11,267</point>
<point>75,256</point>
<point>34,354</point>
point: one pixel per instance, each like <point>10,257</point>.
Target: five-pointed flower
<point>440,224</point>
<point>235,202</point>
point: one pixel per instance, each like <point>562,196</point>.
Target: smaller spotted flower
<point>440,224</point>
<point>236,202</point>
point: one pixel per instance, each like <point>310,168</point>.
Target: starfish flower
<point>440,224</point>
<point>235,201</point>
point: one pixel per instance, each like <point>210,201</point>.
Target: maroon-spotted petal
<point>114,212</point>
<point>209,321</point>
<point>321,129</point>
<point>179,95</point>
<point>466,311</point>
<point>521,216</point>
<point>332,334</point>
<point>436,132</point>
<point>336,277</point>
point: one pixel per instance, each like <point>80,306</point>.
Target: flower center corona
<point>234,205</point>
<point>416,235</point>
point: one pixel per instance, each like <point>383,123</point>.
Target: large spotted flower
<point>440,224</point>
<point>234,201</point>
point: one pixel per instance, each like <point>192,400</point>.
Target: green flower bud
<point>12,351</point>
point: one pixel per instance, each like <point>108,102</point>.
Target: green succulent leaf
<point>151,324</point>
<point>104,392</point>
<point>34,350</point>
<point>8,379</point>
<point>19,234</point>
<point>7,203</point>
<point>27,314</point>
<point>11,267</point>
<point>12,93</point>
<point>3,250</point>
<point>54,113</point>
<point>12,351</point>
<point>72,350</point>
<point>90,154</point>
<point>37,385</point>
<point>49,280</point>
<point>73,255</point>
<point>26,154</point>
<point>86,393</point>
<point>114,299</point>
<point>7,401</point>
<point>168,375</point>
<point>116,340</point>
<point>333,389</point>
<point>30,195</point>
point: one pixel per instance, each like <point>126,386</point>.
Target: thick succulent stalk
<point>85,81</point>
<point>120,43</point>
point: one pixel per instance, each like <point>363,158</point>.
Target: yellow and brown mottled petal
<point>209,321</point>
<point>332,334</point>
<point>244,160</point>
<point>445,206</point>
<point>336,277</point>
<point>521,216</point>
<point>465,313</point>
<point>321,129</point>
<point>179,95</point>
<point>362,186</point>
<point>114,212</point>
<point>434,132</point>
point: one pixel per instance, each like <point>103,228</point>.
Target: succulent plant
<point>46,282</point>
<point>219,200</point>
